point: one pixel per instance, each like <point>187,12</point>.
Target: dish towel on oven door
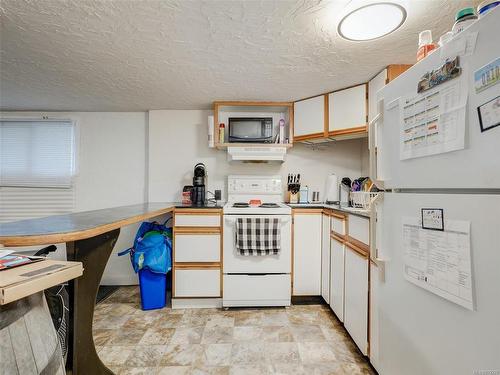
<point>258,236</point>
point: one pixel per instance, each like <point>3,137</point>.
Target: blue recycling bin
<point>153,288</point>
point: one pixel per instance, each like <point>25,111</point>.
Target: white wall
<point>113,167</point>
<point>111,172</point>
<point>178,140</point>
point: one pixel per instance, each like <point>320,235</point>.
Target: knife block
<point>292,197</point>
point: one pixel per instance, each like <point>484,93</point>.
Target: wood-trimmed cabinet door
<point>356,298</point>
<point>348,111</point>
<point>307,254</point>
<point>374,332</point>
<point>325,258</point>
<point>374,85</point>
<point>337,253</point>
<point>309,118</point>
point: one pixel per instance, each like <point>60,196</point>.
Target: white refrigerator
<point>413,330</point>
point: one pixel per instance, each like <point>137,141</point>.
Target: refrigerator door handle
<point>380,263</point>
<point>372,144</point>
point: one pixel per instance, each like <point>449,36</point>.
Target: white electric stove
<point>256,280</point>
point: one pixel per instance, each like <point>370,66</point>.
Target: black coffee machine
<point>199,179</point>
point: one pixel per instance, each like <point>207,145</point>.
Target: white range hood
<point>256,153</point>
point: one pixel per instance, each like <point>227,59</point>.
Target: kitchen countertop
<point>78,225</point>
<point>349,210</point>
<point>81,225</point>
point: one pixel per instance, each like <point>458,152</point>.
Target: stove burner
<point>240,204</point>
<point>269,205</point>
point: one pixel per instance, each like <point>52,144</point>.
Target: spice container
<point>445,38</point>
<point>486,6</point>
<point>221,132</point>
<point>425,45</point>
<point>464,18</point>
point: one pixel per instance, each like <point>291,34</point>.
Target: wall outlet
<point>218,195</point>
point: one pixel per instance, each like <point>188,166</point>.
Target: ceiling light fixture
<point>372,21</point>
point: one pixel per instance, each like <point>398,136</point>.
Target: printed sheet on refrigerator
<point>433,122</point>
<point>439,261</point>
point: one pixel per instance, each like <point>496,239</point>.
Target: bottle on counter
<point>282,131</point>
<point>425,45</point>
<point>222,136</point>
<point>464,18</point>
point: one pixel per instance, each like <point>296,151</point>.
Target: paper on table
<point>4,253</point>
<point>439,261</point>
<point>433,122</point>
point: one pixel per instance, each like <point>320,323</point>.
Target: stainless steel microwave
<point>250,129</point>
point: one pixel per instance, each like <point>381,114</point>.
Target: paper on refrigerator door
<point>439,261</point>
<point>433,122</point>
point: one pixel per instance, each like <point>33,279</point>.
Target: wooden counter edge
<point>357,246</point>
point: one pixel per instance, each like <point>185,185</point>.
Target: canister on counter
<point>464,18</point>
<point>304,194</point>
<point>486,6</point>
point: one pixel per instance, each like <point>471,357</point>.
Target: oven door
<point>235,263</point>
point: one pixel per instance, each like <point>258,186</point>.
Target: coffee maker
<point>199,179</point>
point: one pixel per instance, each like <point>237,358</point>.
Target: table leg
<point>93,253</point>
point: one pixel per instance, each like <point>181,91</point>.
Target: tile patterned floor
<point>295,340</point>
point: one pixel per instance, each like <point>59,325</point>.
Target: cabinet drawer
<point>197,247</point>
<point>197,282</point>
<point>190,220</point>
<point>359,228</point>
<point>269,290</point>
<point>338,225</point>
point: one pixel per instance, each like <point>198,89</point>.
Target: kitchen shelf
<point>223,146</point>
<point>224,109</point>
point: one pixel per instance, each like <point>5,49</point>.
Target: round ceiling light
<point>372,21</point>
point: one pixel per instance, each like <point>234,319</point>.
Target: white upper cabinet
<point>309,116</point>
<point>347,108</point>
<point>375,84</point>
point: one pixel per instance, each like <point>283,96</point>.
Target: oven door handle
<point>232,220</point>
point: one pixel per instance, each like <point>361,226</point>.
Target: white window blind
<point>37,166</point>
<point>37,153</point>
<point>18,203</point>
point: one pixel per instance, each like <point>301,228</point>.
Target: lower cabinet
<point>307,252</point>
<point>197,282</point>
<point>356,297</point>
<point>197,257</point>
<point>325,258</point>
<point>337,251</point>
<point>374,316</point>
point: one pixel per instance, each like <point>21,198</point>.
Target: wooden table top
<point>77,226</point>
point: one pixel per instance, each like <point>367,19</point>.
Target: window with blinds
<point>37,167</point>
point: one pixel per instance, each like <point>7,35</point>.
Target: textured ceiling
<point>124,55</point>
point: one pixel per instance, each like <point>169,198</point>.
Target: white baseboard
<point>196,303</point>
